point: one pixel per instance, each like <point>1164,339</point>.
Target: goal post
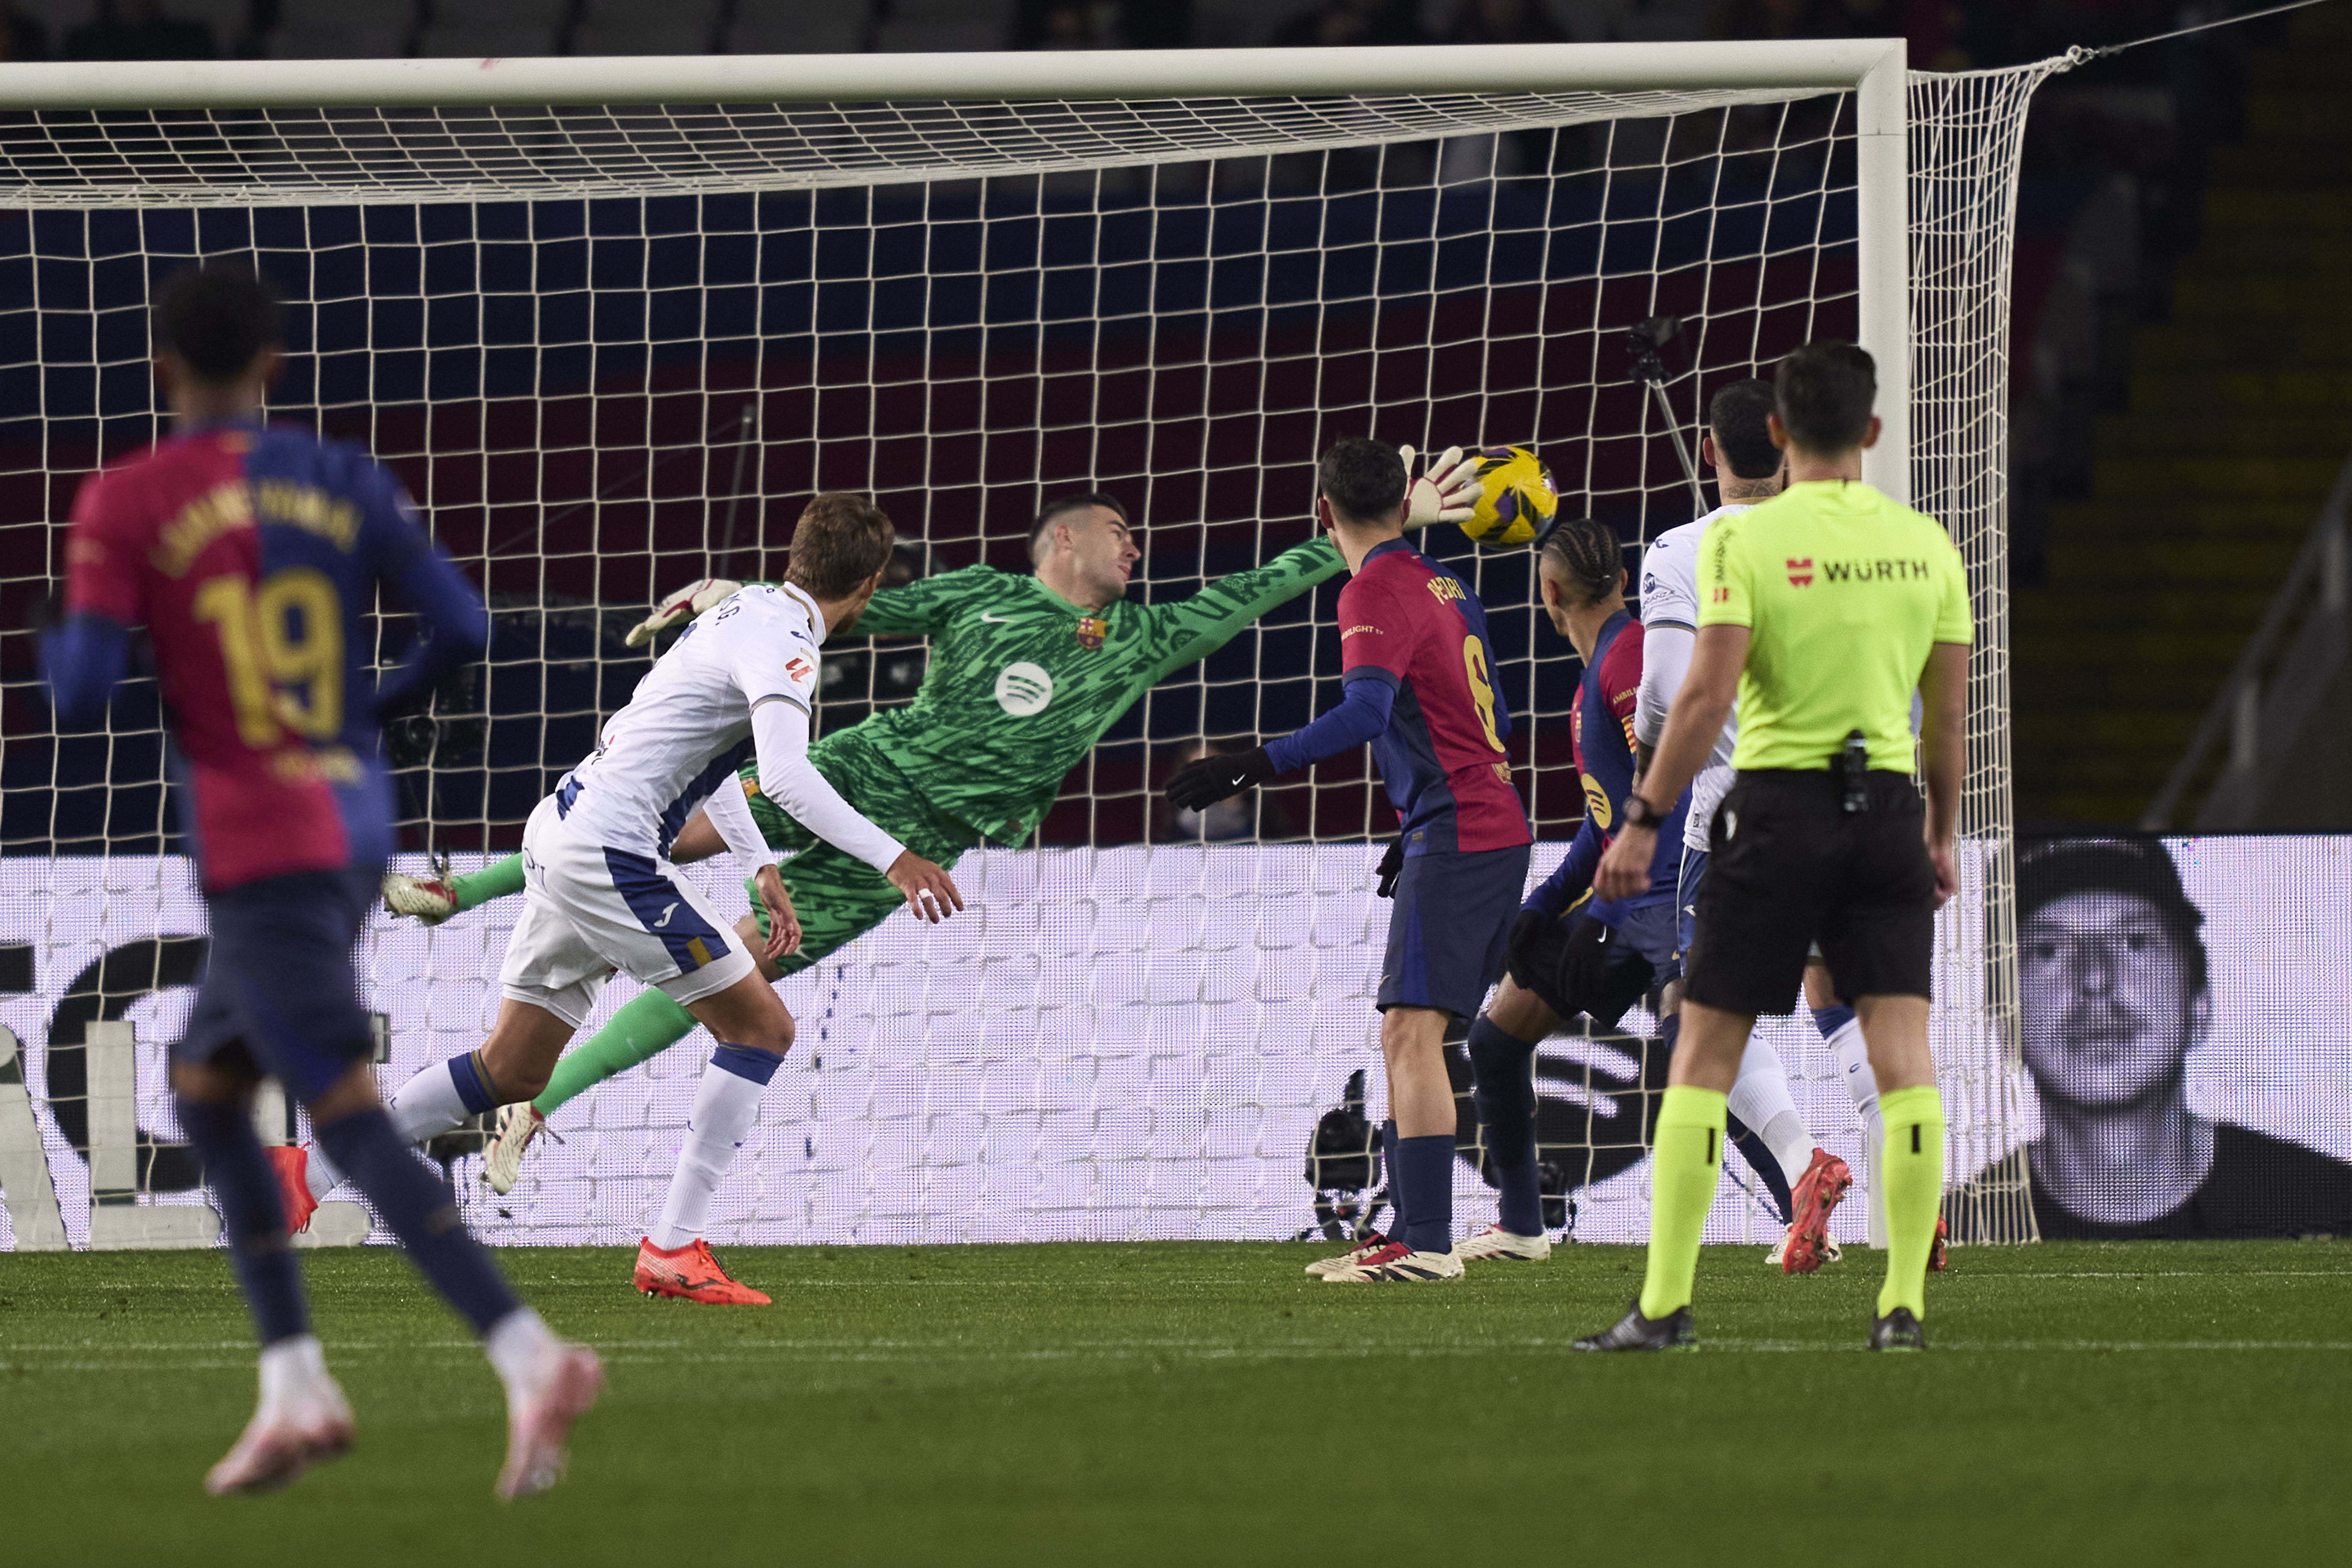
<point>613,319</point>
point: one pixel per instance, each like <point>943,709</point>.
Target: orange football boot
<point>691,1274</point>
<point>1817,1195</point>
<point>292,1163</point>
<point>1938,1253</point>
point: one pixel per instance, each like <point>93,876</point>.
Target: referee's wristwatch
<point>1640,813</point>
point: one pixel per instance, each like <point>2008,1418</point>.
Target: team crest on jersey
<point>1092,630</point>
<point>1801,572</point>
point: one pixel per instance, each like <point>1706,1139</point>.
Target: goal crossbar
<point>1799,65</point>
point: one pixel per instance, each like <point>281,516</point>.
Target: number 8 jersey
<point>1409,623</point>
<point>252,556</point>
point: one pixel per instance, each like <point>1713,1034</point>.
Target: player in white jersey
<point>1808,1181</point>
<point>603,895</point>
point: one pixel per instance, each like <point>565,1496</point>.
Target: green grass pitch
<point>1209,1404</point>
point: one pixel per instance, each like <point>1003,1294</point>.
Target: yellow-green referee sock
<point>1912,1167</point>
<point>1685,1164</point>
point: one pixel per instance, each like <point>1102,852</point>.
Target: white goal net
<point>612,349</point>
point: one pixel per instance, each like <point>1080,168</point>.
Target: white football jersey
<point>1670,597</point>
<point>687,727</point>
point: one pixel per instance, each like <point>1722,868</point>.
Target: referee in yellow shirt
<point>1821,610</point>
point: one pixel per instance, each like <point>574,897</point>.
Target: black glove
<point>1201,783</point>
<point>1392,867</point>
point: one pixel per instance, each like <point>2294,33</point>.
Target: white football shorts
<point>589,910</point>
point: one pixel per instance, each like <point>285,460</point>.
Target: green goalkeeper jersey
<point>1022,683</point>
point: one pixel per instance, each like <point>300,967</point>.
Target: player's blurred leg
<point>301,1419</point>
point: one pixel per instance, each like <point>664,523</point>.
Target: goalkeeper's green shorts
<point>838,896</point>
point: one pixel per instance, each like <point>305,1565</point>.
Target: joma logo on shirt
<point>1876,571</point>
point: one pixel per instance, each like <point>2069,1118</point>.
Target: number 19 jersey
<point>1408,621</point>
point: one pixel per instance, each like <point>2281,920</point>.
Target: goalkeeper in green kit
<point>1026,673</point>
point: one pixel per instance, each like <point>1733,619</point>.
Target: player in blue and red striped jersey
<point>1420,689</point>
<point>1569,953</point>
<point>253,556</point>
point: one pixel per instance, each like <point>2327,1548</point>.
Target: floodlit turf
<point>1210,1404</point>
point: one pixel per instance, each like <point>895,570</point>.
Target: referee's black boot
<point>1898,1330</point>
<point>1674,1331</point>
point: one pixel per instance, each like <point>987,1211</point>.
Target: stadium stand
<point>796,26</point>
<point>635,27</point>
<point>502,29</point>
<point>335,30</point>
<point>2239,415</point>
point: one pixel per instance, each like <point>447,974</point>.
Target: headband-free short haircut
<point>841,541</point>
<point>1584,551</point>
<point>1362,478</point>
<point>1823,393</point>
<point>2048,870</point>
<point>1735,418</point>
<point>1060,507</point>
<point>217,318</point>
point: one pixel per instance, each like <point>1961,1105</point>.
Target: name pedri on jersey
<point>687,727</point>
<point>1407,620</point>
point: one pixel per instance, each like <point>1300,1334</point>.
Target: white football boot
<point>1322,1267</point>
<point>425,899</point>
<point>502,1160</point>
<point>1396,1264</point>
<point>303,1420</point>
<point>1504,1246</point>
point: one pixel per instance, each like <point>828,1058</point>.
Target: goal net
<point>613,348</point>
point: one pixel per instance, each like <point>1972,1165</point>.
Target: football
<point>1516,498</point>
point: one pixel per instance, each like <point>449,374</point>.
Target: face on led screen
<point>2109,1006</point>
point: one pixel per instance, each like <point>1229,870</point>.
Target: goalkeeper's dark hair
<point>1735,418</point>
<point>1583,553</point>
<point>1363,479</point>
<point>1060,507</point>
<point>217,318</point>
<point>841,541</point>
<point>1823,393</point>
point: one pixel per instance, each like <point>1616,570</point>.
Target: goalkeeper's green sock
<point>647,1026</point>
<point>498,880</point>
<point>1911,1170</point>
<point>1685,1164</point>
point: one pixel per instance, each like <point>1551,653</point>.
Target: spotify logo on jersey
<point>1024,689</point>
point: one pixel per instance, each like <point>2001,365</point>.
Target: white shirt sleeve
<point>730,814</point>
<point>780,727</point>
<point>1669,593</point>
<point>1665,663</point>
<point>774,659</point>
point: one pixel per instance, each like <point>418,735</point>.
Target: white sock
<point>1861,1087</point>
<point>291,1370</point>
<point>1760,1099</point>
<point>428,1104</point>
<point>319,1173</point>
<point>520,1347</point>
<point>1860,1083</point>
<point>726,1109</point>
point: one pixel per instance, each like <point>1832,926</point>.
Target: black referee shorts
<point>1789,866</point>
